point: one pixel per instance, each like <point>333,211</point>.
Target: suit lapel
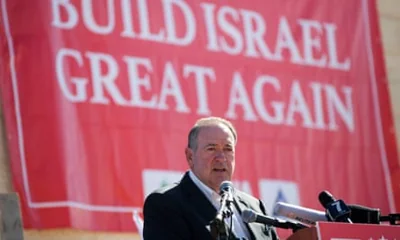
<point>200,203</point>
<point>255,229</point>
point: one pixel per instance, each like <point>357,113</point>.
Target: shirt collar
<point>211,195</point>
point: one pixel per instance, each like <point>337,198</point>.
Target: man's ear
<point>189,156</point>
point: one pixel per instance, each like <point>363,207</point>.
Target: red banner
<point>99,98</point>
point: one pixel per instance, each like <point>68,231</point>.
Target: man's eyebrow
<point>215,144</point>
<point>211,145</point>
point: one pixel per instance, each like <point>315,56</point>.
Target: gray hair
<point>203,122</point>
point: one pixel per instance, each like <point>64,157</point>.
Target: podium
<point>343,231</point>
<point>303,234</point>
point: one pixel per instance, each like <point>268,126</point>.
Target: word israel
<point>233,31</point>
<point>102,85</point>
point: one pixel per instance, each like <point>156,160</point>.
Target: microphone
<point>226,192</point>
<point>250,216</point>
<point>336,210</point>
<point>358,214</point>
<point>362,214</point>
<point>301,214</point>
<point>217,225</point>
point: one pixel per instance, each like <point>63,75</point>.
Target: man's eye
<point>210,148</point>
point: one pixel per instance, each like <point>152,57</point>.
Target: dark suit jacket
<point>182,212</point>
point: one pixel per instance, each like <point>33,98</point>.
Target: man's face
<point>213,161</point>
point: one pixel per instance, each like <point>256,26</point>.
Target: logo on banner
<point>153,179</point>
<point>273,191</point>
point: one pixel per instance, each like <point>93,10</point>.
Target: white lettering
<point>230,30</point>
<point>170,87</point>
<point>298,104</point>
<point>254,37</point>
<point>212,43</point>
<point>72,14</point>
<point>126,10</point>
<point>345,110</point>
<point>136,82</point>
<point>238,96</point>
<point>332,49</point>
<point>200,74</point>
<point>102,80</point>
<point>285,40</point>
<point>318,108</point>
<point>79,82</point>
<point>144,20</point>
<point>91,24</point>
<point>310,43</point>
<point>170,22</point>
<point>258,99</point>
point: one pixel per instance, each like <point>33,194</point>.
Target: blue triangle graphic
<point>280,198</point>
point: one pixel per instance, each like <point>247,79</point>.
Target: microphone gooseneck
<point>218,229</point>
<point>250,216</point>
<point>226,192</point>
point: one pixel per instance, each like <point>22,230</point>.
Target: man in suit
<point>185,210</point>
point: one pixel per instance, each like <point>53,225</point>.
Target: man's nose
<point>220,155</point>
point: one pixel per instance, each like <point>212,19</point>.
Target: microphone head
<point>225,186</point>
<point>300,214</point>
<point>249,216</point>
<point>326,198</point>
<point>336,210</point>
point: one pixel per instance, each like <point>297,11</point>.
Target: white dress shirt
<point>238,227</point>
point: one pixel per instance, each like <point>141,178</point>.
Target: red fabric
<point>79,146</point>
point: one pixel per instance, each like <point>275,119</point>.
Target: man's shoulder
<point>172,190</point>
<point>166,190</point>
<point>251,201</point>
<point>246,197</point>
<point>162,197</point>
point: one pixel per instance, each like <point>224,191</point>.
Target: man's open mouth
<point>219,169</point>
